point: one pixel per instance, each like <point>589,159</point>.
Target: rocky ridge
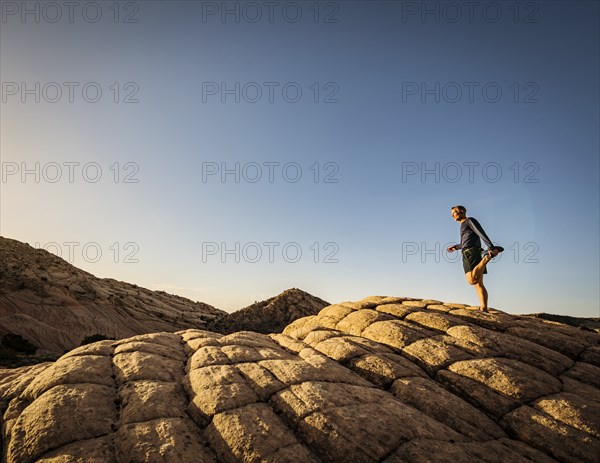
<point>55,305</point>
<point>384,379</point>
<point>271,315</point>
<point>587,323</point>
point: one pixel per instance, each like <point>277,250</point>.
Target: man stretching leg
<point>474,265</point>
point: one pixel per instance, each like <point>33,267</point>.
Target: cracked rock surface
<point>384,379</point>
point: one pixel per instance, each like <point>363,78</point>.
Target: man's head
<point>459,213</point>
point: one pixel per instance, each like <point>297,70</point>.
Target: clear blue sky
<point>399,111</point>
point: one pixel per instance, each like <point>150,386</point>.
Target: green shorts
<point>470,258</point>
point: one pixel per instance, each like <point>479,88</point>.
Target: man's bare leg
<point>481,291</point>
<point>483,296</point>
<point>477,272</point>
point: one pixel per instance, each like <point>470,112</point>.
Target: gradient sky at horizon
<point>363,119</point>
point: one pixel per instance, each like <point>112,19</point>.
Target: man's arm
<point>477,228</point>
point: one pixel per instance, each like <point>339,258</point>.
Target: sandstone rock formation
<point>384,379</point>
<point>55,305</point>
<point>270,316</point>
<point>588,323</point>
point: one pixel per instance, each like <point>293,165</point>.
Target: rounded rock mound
<point>384,379</point>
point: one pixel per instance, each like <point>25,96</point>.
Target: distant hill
<point>54,305</point>
<point>271,315</point>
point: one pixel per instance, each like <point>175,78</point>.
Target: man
<point>471,234</point>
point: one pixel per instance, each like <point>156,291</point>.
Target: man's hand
<point>451,249</point>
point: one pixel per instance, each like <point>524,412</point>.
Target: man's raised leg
<point>477,272</point>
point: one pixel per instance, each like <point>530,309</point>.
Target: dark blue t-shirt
<point>470,232</point>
